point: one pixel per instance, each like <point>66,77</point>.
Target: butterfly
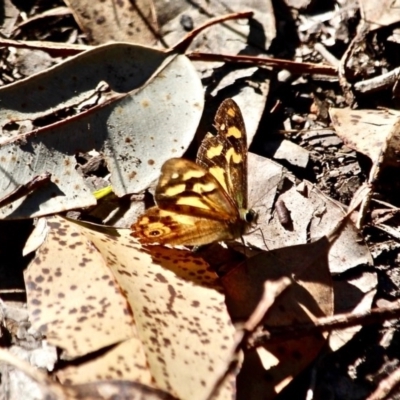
<point>203,202</point>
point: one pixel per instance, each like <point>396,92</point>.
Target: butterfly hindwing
<point>165,227</point>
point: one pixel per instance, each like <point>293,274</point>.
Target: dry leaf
<point>375,133</point>
<point>290,152</point>
<point>230,35</point>
<point>354,294</point>
<point>36,238</point>
<point>72,292</point>
<point>105,390</point>
<point>109,390</point>
<point>116,21</point>
<point>312,215</point>
<point>245,84</point>
<point>83,285</point>
<point>140,97</point>
<point>386,14</point>
<point>267,370</point>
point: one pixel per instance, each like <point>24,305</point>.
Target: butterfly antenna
<point>244,244</point>
<point>262,235</point>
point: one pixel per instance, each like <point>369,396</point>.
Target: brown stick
<point>183,44</point>
<point>292,66</point>
<point>339,321</point>
<point>23,190</point>
<point>343,71</point>
<point>272,289</point>
<point>386,386</point>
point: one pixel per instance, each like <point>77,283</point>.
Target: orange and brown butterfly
<point>206,201</point>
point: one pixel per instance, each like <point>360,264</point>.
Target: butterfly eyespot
<point>155,233</point>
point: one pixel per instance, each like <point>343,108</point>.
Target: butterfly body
<point>203,202</point>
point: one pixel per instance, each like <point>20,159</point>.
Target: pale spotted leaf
<point>168,311</point>
<point>179,310</point>
<point>374,133</point>
<point>73,297</point>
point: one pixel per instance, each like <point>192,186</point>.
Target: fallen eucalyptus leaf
<point>106,21</point>
<point>135,117</point>
<point>92,287</point>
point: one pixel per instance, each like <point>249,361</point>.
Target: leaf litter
<point>140,98</point>
<point>164,307</point>
<point>310,214</point>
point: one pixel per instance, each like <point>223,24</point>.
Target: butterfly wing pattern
<point>203,202</point>
<point>225,155</point>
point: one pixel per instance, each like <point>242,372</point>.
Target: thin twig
<point>7,291</point>
<point>327,54</point>
<point>292,66</point>
<point>272,289</point>
<point>378,83</point>
<point>23,190</point>
<point>56,49</point>
<point>183,44</point>
<point>342,70</point>
<point>386,386</point>
<point>324,324</point>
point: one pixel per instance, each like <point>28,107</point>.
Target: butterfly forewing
<point>225,155</point>
<point>187,188</point>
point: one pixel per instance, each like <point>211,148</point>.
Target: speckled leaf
<point>125,361</point>
<point>179,314</point>
<point>73,297</point>
<point>375,133</point>
<point>120,99</point>
<point>117,21</point>
<point>387,13</point>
